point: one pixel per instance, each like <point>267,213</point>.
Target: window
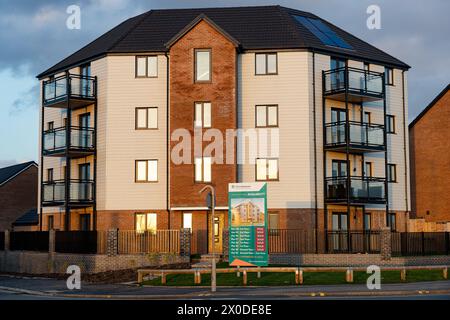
<point>390,124</point>
<point>202,65</point>
<point>274,221</point>
<point>338,168</point>
<point>146,171</point>
<point>203,169</point>
<point>366,66</point>
<point>367,221</point>
<point>146,118</point>
<point>50,223</point>
<point>391,221</point>
<point>202,116</point>
<point>266,169</point>
<point>367,118</point>
<point>50,175</point>
<point>266,63</point>
<point>392,172</point>
<point>50,125</point>
<point>146,66</point>
<point>389,74</point>
<point>187,221</point>
<point>368,170</point>
<point>266,116</point>
<point>146,222</point>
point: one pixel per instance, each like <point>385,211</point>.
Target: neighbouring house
<point>27,222</point>
<point>429,137</point>
<point>18,192</point>
<point>114,112</point>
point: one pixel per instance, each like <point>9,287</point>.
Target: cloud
<point>414,31</point>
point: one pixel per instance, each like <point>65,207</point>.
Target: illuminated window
<point>146,67</point>
<point>146,171</point>
<point>146,222</point>
<point>202,65</point>
<point>202,117</point>
<point>266,169</point>
<point>147,118</point>
<point>203,169</point>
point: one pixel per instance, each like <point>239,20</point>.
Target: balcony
<point>364,137</point>
<point>361,85</point>
<point>79,91</point>
<point>362,190</point>
<point>81,193</point>
<point>81,142</point>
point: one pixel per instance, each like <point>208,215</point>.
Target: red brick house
<point>18,192</point>
<point>430,160</point>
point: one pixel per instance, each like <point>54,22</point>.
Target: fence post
<point>52,241</point>
<point>225,242</point>
<point>185,242</point>
<point>385,243</point>
<point>112,241</point>
<point>7,240</point>
<point>447,243</point>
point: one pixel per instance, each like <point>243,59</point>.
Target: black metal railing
<point>362,189</point>
<point>81,242</point>
<point>354,241</point>
<point>81,139</point>
<point>72,85</point>
<point>420,243</point>
<point>29,241</point>
<point>358,81</point>
<point>81,191</point>
<point>2,240</point>
<point>360,134</point>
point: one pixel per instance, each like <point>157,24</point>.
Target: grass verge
<point>288,279</point>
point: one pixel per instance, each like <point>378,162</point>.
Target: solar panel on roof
<point>322,32</point>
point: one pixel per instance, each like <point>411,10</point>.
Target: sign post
<point>248,219</point>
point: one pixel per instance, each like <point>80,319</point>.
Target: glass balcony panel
<point>361,189</point>
<point>362,134</point>
<point>360,81</point>
<point>81,138</point>
<point>81,87</point>
<point>81,191</point>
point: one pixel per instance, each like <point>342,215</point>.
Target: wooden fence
<point>2,240</point>
<point>160,241</point>
<point>29,241</point>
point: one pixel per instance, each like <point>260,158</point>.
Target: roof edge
<point>31,163</point>
<point>193,23</point>
<point>430,105</point>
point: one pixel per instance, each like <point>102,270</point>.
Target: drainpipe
<point>316,214</point>
<point>168,140</point>
<point>404,149</point>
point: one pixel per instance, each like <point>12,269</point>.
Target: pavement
<point>23,288</point>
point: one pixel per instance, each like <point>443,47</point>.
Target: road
<point>14,288</point>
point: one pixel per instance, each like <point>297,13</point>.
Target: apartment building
<point>114,113</point>
<point>430,161</point>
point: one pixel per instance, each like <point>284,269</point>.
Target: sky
<point>34,37</point>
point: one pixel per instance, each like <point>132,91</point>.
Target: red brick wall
<point>18,196</point>
<point>430,163</point>
<point>184,92</point>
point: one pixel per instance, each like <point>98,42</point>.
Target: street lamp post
<point>213,265</point>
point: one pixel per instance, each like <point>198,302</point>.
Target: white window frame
<point>187,221</point>
<point>202,171</point>
<point>266,162</point>
<point>200,120</point>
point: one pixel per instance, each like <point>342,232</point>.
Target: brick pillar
<point>385,243</point>
<point>7,240</point>
<point>112,242</point>
<point>225,243</point>
<point>185,242</point>
<point>51,241</point>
